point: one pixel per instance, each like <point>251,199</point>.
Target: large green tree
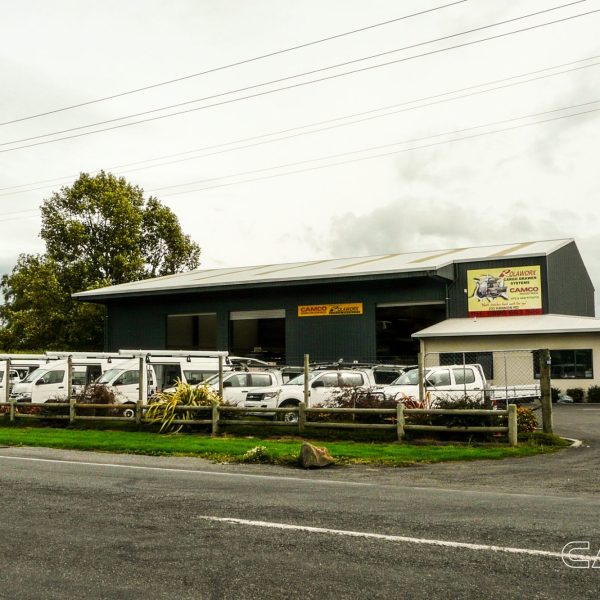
<point>99,231</point>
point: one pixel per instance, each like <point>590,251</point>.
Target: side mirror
<point>227,384</point>
<point>40,381</point>
<point>319,383</point>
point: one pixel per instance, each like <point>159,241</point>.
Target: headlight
<point>23,396</point>
<point>267,395</point>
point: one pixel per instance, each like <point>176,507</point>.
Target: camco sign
<point>327,310</point>
<point>505,292</point>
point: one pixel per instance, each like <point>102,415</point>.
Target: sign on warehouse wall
<point>507,291</point>
<point>326,310</point>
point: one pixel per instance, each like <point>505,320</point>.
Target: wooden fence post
<point>69,377</point>
<point>421,371</point>
<point>138,412</point>
<point>13,404</point>
<point>142,382</point>
<point>215,420</point>
<point>7,381</point>
<point>400,420</point>
<point>512,425</point>
<point>220,380</point>
<point>546,391</point>
<point>301,417</point>
<point>306,388</point>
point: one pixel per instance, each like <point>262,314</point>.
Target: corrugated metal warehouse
<point>363,309</point>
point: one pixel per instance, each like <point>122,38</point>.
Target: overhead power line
<point>238,63</point>
<point>296,85</point>
<point>10,217</point>
<point>376,148</point>
<point>268,138</point>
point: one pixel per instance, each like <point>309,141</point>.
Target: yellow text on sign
<point>327,310</point>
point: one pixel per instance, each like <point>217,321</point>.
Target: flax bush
<point>163,409</point>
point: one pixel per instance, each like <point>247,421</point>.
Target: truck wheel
<point>129,412</point>
<point>288,417</point>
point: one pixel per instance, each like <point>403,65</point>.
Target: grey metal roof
<point>519,325</point>
<point>325,269</point>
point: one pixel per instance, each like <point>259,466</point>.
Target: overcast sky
<point>425,171</point>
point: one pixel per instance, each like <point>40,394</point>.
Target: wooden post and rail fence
<point>400,419</point>
<point>221,415</point>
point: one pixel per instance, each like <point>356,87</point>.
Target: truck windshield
<point>34,375</point>
<point>409,378</point>
<point>299,380</point>
<point>213,380</point>
<point>109,375</point>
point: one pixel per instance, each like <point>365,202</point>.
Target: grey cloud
<point>416,224</point>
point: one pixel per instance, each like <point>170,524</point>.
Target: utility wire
<point>380,147</point>
<point>222,148</point>
<point>263,93</point>
<point>236,64</point>
<point>9,217</point>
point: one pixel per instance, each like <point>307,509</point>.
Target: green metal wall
<point>141,322</point>
<point>566,286</point>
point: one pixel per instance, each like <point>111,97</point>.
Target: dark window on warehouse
<point>567,364</point>
<point>192,332</point>
<point>485,359</point>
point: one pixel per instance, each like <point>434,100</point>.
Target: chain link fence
<point>496,377</point>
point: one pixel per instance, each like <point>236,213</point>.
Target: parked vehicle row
<point>325,384</point>
<point>119,372</point>
<point>246,381</point>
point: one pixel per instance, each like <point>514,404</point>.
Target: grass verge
<point>277,451</point>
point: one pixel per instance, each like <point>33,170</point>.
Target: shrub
<point>96,394</point>
<point>356,398</point>
<point>578,394</point>
<point>258,454</point>
<point>526,420</point>
<point>593,394</point>
<point>465,403</point>
<point>555,394</point>
<point>163,409</point>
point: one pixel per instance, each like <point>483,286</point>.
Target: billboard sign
<point>508,291</point>
<point>327,310</point>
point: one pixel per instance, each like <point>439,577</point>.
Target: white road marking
<point>193,471</point>
<point>400,484</point>
<point>392,538</point>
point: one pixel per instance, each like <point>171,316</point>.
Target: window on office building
<point>567,364</point>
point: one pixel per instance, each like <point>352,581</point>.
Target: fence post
<point>306,389</point>
<point>512,424</point>
<point>143,385</point>
<point>69,377</point>
<point>215,420</point>
<point>13,404</point>
<point>220,378</point>
<point>400,420</point>
<point>421,380</point>
<point>546,392</point>
<point>301,417</point>
<point>70,396</point>
<point>138,412</point>
<point>7,381</point>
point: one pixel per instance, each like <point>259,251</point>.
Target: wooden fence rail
<point>394,418</point>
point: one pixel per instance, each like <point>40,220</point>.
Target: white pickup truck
<point>455,382</point>
<point>324,384</point>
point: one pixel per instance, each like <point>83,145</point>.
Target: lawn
<point>278,451</point>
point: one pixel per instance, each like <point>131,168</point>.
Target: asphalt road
<point>90,525</point>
